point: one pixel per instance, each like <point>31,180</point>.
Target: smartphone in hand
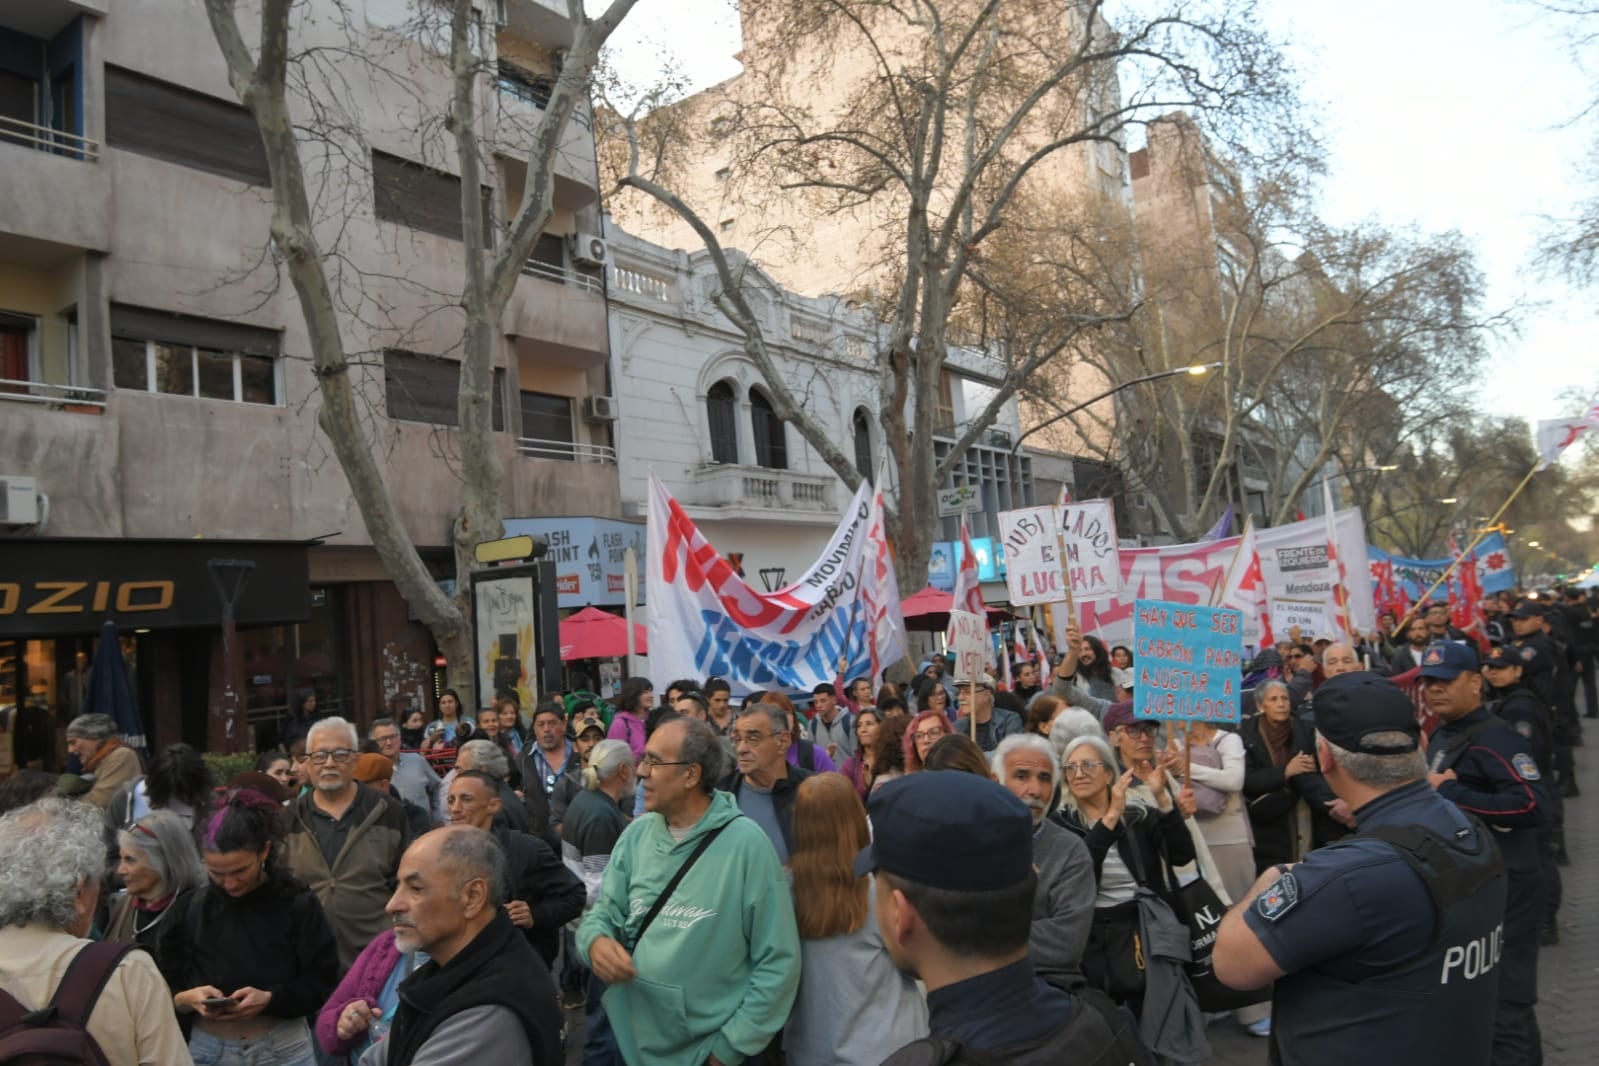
<point>219,1003</point>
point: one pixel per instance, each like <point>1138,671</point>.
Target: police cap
<point>950,830</point>
<point>1445,660</point>
<point>1351,707</point>
<point>1502,656</point>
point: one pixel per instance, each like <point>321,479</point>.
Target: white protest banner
<point>1309,615</point>
<point>1187,660</point>
<point>1032,556</point>
<point>1293,562</point>
<point>706,621</point>
<point>968,633</point>
<point>1093,555</point>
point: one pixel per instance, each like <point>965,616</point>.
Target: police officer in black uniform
<point>1540,669</point>
<point>955,884</point>
<point>1488,769</point>
<point>1585,645</point>
<point>1384,945</point>
<point>1521,709</point>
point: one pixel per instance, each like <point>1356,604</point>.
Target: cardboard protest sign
<point>1031,537</point>
<point>1187,661</point>
<point>968,636</point>
<point>1093,555</point>
<point>1310,617</point>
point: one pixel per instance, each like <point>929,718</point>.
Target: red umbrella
<point>595,634</point>
<point>929,610</point>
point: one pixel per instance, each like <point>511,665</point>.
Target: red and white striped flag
<point>968,586</point>
<point>1343,628</point>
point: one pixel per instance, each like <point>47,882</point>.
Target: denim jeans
<point>599,1042</point>
<point>286,1044</point>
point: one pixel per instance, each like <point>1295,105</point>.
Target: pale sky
<point>1438,114</point>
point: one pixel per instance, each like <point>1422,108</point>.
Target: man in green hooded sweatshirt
<point>726,931</point>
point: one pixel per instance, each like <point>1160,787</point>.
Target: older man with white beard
<point>1063,906</point>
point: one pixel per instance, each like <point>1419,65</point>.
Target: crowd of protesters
<point>684,868</point>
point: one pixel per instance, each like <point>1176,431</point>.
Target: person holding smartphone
<point>260,954</point>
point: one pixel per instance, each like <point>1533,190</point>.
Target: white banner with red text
<point>706,621</point>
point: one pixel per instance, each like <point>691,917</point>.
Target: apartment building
<point>158,407</point>
<point>699,414</point>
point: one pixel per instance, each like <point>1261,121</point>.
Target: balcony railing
<point>727,485</point>
<point>566,451</point>
<point>537,93</point>
<point>45,139</point>
<point>637,282</point>
<point>73,397</point>
<point>565,275</point>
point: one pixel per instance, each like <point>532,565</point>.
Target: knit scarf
<point>1277,736</point>
<point>100,756</point>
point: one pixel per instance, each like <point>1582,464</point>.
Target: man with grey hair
<point>1389,939</point>
<point>994,724</point>
<point>1063,905</point>
<point>345,839</point>
<point>694,909</point>
<point>1339,659</point>
<point>484,997</point>
<point>764,784</point>
<point>413,778</point>
<point>106,763</point>
<point>52,860</point>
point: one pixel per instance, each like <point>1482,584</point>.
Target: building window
<point>193,130</point>
<point>425,388</point>
<point>547,424</point>
<point>420,197</point>
<point>944,417</point>
<point>721,413</point>
<point>17,334</point>
<point>40,85</point>
<point>180,355</point>
<point>520,84</point>
<point>862,426</point>
<point>771,445</point>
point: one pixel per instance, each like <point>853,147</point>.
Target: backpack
<point>57,1034</point>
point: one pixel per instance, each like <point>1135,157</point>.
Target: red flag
<point>1246,588</point>
<point>1343,625</point>
<point>968,587</point>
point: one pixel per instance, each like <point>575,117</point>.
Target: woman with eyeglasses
<point>258,956</point>
<point>159,866</point>
<point>1280,778</point>
<point>1132,844</point>
<point>924,731</point>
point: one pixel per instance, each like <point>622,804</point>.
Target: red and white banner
<point>841,619</point>
<point>1294,565</point>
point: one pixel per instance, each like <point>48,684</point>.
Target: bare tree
<point>285,81</point>
<point>934,124</point>
<point>1316,333</point>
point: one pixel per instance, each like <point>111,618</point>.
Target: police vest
<point>1438,1006</point>
<point>1098,1033</point>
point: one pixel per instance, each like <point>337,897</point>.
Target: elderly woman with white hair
<point>1132,844</point>
<point>159,866</point>
<point>106,763</point>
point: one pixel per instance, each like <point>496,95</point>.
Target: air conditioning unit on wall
<point>19,501</point>
<point>600,408</point>
<point>589,249</point>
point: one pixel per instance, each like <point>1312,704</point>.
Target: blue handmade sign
<point>1187,661</point>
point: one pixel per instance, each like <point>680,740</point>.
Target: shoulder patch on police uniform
<point>1278,899</point>
<point>1525,766</point>
<point>1529,653</point>
<point>1525,729</point>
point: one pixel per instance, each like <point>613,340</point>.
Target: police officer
<point>1521,709</point>
<point>1488,769</point>
<point>1585,638</point>
<point>1540,668</point>
<point>953,855</point>
<point>1383,945</point>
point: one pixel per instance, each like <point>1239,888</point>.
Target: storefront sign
<point>587,553</point>
<point>952,503</point>
<point>64,587</point>
<point>1188,662</point>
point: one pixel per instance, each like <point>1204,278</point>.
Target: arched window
<point>721,413</point>
<point>771,445</point>
<point>862,424</point>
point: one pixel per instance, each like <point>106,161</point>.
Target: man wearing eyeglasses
<point>765,785</point>
<point>346,840</point>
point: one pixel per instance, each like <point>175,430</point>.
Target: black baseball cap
<point>1351,707</point>
<point>953,831</point>
<point>1528,609</point>
<point>1503,656</point>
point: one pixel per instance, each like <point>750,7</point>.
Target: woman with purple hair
<point>259,953</point>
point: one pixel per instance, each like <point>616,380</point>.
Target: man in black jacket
<point>548,757</point>
<point>483,997</point>
<point>542,894</point>
<point>764,785</point>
